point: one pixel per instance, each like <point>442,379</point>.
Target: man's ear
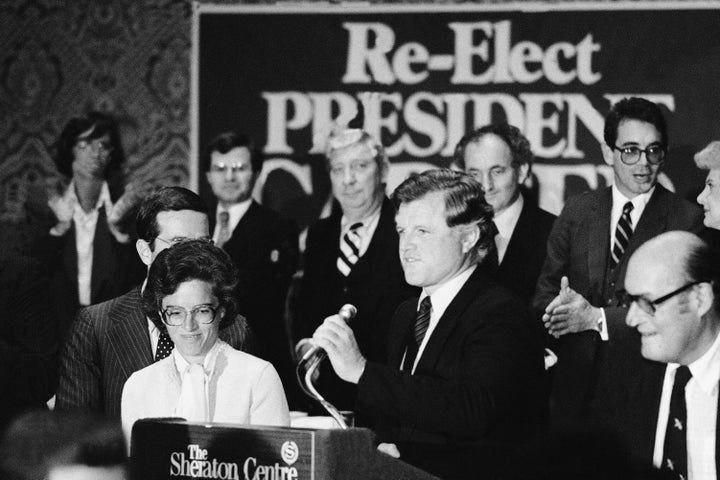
<point>470,235</point>
<point>705,298</point>
<point>608,154</point>
<point>144,251</point>
<point>523,171</point>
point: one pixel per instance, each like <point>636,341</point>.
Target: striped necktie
<point>675,447</point>
<point>623,231</point>
<point>422,320</point>
<point>349,249</point>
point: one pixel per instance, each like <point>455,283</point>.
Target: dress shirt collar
<point>103,200</point>
<point>235,213</point>
<point>208,363</point>
<point>706,369</point>
<point>446,292</point>
<point>366,232</point>
<point>506,220</point>
<point>639,202</point>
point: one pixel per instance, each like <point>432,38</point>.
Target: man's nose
<point>632,317</point>
<point>229,173</point>
<point>348,176</point>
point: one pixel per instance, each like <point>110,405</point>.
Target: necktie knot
<point>224,231</point>
<point>627,208</point>
<point>682,376</point>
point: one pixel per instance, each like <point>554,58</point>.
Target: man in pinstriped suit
<point>109,341</point>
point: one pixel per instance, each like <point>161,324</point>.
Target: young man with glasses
<point>590,244</point>
<point>109,341</point>
<point>665,404</point>
<point>263,245</point>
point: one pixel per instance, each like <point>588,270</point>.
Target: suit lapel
<point>397,334</point>
<point>247,223</point>
<point>448,321</point>
<point>128,334</point>
<point>598,239</point>
<point>516,245</point>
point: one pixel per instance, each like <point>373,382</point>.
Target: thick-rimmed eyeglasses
<point>655,154</point>
<point>645,304</point>
<point>175,316</point>
<point>176,240</point>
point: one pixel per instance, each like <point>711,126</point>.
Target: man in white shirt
<point>463,380</point>
<point>666,406</point>
<point>499,157</point>
<point>588,250</point>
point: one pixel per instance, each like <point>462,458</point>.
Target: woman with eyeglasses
<point>78,224</point>
<point>190,293</point>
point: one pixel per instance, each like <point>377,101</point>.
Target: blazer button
<point>609,301</point>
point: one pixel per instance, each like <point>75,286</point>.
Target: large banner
<point>427,74</point>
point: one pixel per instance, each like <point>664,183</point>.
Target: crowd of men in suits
<point>483,322</point>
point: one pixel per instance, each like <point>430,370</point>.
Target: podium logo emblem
<point>289,452</point>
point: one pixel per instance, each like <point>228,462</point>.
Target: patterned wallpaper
<point>59,58</point>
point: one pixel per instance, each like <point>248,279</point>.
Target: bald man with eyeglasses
<point>661,395</point>
<point>588,250</point>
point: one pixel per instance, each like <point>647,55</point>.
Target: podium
<point>165,449</point>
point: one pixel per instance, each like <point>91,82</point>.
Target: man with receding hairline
<point>665,404</point>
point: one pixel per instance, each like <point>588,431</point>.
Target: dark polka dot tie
<point>675,447</point>
<point>164,346</point>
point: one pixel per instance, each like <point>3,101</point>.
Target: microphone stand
<point>310,364</point>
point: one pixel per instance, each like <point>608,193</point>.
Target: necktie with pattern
<point>224,232</point>
<point>675,448</point>
<point>164,346</point>
<point>349,249</point>
<point>422,320</point>
<point>623,231</point>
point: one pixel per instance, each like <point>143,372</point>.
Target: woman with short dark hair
<point>190,293</point>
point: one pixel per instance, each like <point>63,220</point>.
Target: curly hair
<point>186,261</point>
<point>464,202</point>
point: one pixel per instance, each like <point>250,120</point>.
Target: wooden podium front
<point>175,449</point>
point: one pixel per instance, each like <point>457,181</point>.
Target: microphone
<point>347,312</point>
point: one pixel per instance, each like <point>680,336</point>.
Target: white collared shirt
<point>701,397</point>
<point>85,224</point>
<point>366,232</point>
<point>505,222</point>
<point>440,300</point>
<point>235,214</point>
<point>618,202</point>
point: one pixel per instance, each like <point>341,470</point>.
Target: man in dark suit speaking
<point>464,366</point>
<point>665,405</point>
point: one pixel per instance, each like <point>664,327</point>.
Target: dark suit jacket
<point>115,267</point>
<point>579,247</point>
<point>28,338</point>
<point>525,254</point>
<point>106,344</point>
<point>376,286</point>
<point>264,248</point>
<point>628,400</point>
<point>476,390</point>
